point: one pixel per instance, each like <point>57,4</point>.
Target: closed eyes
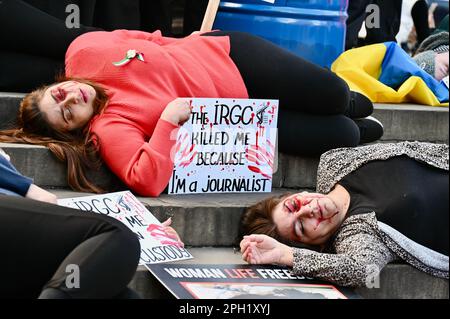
<point>66,113</point>
<point>287,207</point>
<point>298,229</point>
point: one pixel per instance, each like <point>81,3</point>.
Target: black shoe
<point>359,107</point>
<point>370,129</point>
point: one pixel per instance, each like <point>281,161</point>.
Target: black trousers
<point>40,243</point>
<point>312,99</point>
<point>194,12</point>
<point>390,15</point>
<point>419,13</point>
<point>34,37</point>
<point>33,44</point>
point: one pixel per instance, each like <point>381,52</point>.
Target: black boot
<point>359,107</point>
<point>370,129</point>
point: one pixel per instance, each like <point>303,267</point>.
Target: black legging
<point>32,46</point>
<point>33,42</point>
<point>390,16</point>
<point>312,99</point>
<point>38,242</point>
<point>419,13</point>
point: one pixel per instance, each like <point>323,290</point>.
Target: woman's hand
<point>441,66</point>
<point>37,193</point>
<point>177,112</point>
<point>262,249</point>
<point>171,232</point>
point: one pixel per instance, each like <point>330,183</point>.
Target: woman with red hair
<point>119,101</point>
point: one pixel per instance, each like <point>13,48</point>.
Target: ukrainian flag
<point>385,73</point>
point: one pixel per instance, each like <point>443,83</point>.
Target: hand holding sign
<point>177,112</point>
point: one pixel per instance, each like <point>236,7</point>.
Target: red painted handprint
<point>260,158</point>
<point>184,151</point>
<point>165,234</point>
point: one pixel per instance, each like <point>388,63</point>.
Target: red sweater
<point>134,142</point>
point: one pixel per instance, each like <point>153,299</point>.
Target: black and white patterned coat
<point>362,245</point>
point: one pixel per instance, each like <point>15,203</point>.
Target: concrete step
<point>38,163</point>
<point>200,220</point>
<point>46,170</point>
<point>9,105</point>
<point>408,122</point>
<point>397,281</point>
<point>401,121</point>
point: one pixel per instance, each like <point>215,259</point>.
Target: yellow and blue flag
<point>385,73</point>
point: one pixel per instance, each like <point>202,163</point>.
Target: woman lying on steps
<point>44,246</point>
<point>52,239</point>
<point>376,204</point>
<point>118,101</point>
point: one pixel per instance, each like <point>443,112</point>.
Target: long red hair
<point>78,148</point>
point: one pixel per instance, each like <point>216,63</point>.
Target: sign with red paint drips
<point>227,146</point>
<point>157,244</point>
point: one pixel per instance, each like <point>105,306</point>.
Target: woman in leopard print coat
<point>383,202</point>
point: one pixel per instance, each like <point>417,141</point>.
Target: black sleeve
<point>26,29</point>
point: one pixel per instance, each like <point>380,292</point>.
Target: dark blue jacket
<point>11,180</point>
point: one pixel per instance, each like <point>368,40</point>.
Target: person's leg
<point>419,13</point>
<point>115,14</point>
<point>313,100</point>
<point>39,243</point>
<point>157,15</point>
<point>390,16</point>
<point>29,30</point>
<point>194,12</point>
<point>356,15</point>
<point>25,72</point>
<point>311,135</point>
<point>269,71</point>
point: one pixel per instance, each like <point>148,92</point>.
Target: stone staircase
<point>396,280</point>
<point>208,223</point>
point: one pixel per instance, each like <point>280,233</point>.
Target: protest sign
<point>227,146</point>
<point>156,245</point>
<point>194,281</point>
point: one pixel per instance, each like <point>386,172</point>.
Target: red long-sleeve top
<point>134,142</point>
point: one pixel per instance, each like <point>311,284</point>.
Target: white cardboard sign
<point>156,245</point>
<point>227,146</point>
